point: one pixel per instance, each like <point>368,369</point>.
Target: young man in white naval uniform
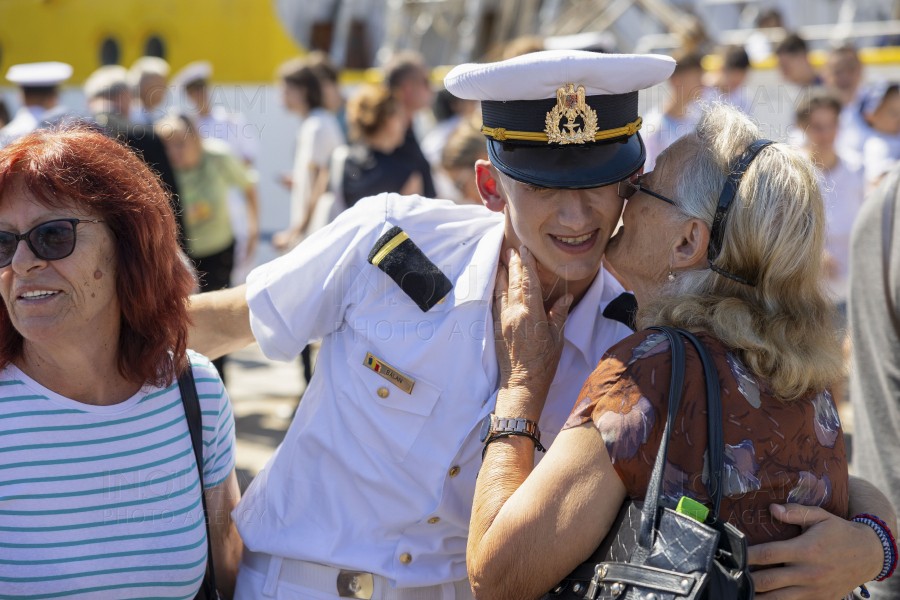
<point>369,495</point>
<point>40,108</point>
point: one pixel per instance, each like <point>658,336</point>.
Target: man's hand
<point>828,561</point>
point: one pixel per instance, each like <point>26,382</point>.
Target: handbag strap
<point>716,441</point>
<point>191,402</point>
<point>646,534</point>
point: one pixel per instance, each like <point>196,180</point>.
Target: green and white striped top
<point>104,501</point>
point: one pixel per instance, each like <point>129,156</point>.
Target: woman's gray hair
<point>783,328</point>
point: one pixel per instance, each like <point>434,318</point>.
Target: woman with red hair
<point>100,493</point>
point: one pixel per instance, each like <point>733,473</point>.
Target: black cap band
<point>613,111</point>
<point>729,192</point>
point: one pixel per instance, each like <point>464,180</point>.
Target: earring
<point>671,276</point>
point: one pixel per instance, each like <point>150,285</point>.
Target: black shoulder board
<point>622,309</point>
<point>399,257</point>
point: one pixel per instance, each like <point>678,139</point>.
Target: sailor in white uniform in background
<point>370,493</point>
<point>39,83</point>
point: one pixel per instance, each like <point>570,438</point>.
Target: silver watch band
<point>518,424</point>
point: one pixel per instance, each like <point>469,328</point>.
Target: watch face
<point>485,428</point>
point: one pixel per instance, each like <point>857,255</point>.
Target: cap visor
<point>569,167</point>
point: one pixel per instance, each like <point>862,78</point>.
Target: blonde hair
<point>368,110</point>
<point>783,329</point>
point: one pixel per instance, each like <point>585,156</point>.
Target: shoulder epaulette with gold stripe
<point>399,257</point>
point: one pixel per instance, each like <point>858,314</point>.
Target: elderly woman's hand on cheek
<point>529,339</point>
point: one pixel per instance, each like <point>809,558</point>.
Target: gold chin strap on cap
<point>500,134</point>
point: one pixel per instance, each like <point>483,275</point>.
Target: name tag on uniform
<point>404,382</point>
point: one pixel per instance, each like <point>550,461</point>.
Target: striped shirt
<point>104,501</point>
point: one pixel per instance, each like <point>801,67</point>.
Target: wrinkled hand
<point>529,341</point>
<point>828,561</point>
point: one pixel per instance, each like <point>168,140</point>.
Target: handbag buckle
<point>600,572</point>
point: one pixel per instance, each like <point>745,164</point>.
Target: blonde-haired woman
<point>377,128</point>
<point>755,299</point>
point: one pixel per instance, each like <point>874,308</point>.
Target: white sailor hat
<point>147,65</point>
<point>874,96</point>
<point>106,80</point>
<point>594,41</point>
<point>562,118</point>
<point>42,74</point>
<point>195,72</point>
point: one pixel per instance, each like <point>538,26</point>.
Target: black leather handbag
<point>191,402</point>
<point>655,553</point>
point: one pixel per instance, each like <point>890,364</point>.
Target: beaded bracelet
<point>887,541</point>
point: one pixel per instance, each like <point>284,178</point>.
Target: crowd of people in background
<point>403,136</point>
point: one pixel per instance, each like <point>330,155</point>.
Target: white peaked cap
<point>42,74</point>
<point>199,70</point>
<point>604,41</point>
<point>104,80</point>
<point>147,65</point>
<point>538,75</point>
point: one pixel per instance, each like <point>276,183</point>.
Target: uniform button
<point>405,558</point>
<point>454,471</point>
<point>383,392</point>
<point>434,520</point>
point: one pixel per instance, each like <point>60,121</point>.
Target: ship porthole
<point>109,52</point>
<point>154,46</point>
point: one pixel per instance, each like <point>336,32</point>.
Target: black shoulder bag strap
<point>647,532</point>
<point>716,441</point>
<point>191,403</point>
<point>887,235</point>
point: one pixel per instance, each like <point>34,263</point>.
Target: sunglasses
<point>627,189</point>
<point>51,240</point>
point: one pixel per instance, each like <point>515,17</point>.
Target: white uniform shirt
<point>661,130</point>
<point>843,192</point>
<point>30,118</point>
<point>881,152</point>
<point>361,480</point>
<point>230,128</point>
<point>852,129</point>
<point>27,119</point>
<point>319,136</point>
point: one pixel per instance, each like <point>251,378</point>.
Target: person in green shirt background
<point>205,169</point>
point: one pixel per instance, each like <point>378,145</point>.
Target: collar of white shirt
<point>475,282</point>
<point>582,319</point>
<point>37,112</point>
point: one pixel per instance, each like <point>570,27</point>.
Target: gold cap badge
<point>570,103</point>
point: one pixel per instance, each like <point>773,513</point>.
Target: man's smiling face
<point>566,230</point>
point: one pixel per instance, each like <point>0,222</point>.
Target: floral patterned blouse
<point>774,452</point>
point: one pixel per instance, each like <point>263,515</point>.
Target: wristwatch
<point>492,425</point>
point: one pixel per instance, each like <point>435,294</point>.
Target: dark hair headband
<point>729,192</point>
